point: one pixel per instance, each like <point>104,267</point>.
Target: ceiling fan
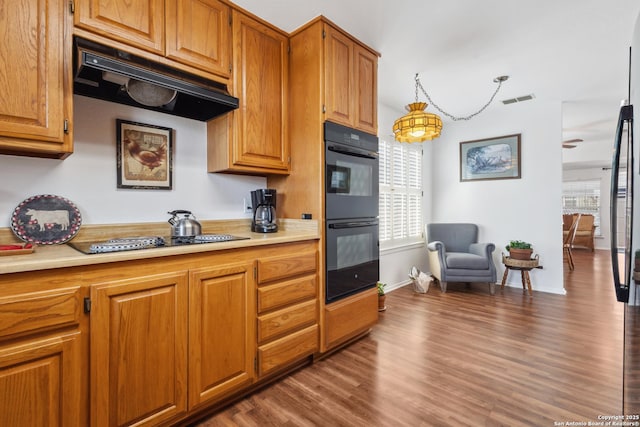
<point>571,143</point>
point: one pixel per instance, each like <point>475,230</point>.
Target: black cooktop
<point>148,242</point>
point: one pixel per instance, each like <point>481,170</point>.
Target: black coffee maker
<point>264,211</point>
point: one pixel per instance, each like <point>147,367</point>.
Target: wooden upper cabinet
<point>260,82</point>
<point>198,34</point>
<point>136,22</point>
<point>366,90</point>
<point>351,78</point>
<point>254,138</point>
<point>35,88</point>
<point>339,77</point>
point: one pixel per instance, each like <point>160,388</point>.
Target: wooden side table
<point>525,266</point>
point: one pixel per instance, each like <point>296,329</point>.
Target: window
<point>400,193</point>
<point>582,197</point>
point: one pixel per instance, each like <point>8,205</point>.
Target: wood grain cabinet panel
<point>198,33</point>
<point>40,382</point>
<point>288,292</point>
<point>284,321</point>
<point>221,331</point>
<point>254,138</point>
<point>279,353</point>
<point>288,265</point>
<point>351,78</point>
<point>134,22</point>
<point>37,311</point>
<point>349,317</point>
<point>138,350</point>
<point>339,77</point>
<point>35,87</point>
<point>287,309</point>
<point>366,90</point>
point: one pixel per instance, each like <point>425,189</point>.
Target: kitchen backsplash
<point>88,177</point>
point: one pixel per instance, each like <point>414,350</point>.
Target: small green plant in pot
<point>381,296</point>
<point>519,249</point>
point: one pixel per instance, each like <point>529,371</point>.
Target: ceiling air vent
<point>518,99</point>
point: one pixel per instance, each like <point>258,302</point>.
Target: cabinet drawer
<point>285,293</point>
<point>286,320</point>
<point>349,317</point>
<point>286,266</point>
<point>279,353</point>
<point>40,310</point>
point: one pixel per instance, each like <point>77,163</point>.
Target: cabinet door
<point>366,84</point>
<point>139,23</point>
<point>40,382</point>
<point>349,317</point>
<point>139,350</point>
<point>35,87</point>
<point>221,331</point>
<point>198,33</point>
<point>339,77</point>
<point>260,82</point>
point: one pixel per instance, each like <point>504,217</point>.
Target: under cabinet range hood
<point>113,75</point>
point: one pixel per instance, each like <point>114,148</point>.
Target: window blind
<point>400,193</point>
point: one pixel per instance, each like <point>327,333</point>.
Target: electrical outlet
<point>247,206</point>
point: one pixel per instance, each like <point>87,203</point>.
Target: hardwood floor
<point>464,358</point>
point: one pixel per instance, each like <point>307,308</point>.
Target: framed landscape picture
<point>144,156</point>
<point>491,158</point>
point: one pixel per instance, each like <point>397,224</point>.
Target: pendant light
<point>418,125</point>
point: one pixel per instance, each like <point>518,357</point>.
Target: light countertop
<point>57,256</point>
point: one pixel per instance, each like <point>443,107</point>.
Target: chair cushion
<point>466,261</point>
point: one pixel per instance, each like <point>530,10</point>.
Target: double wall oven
<point>351,211</point>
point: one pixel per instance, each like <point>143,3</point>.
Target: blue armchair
<point>455,255</point>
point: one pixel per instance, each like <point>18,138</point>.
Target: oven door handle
<point>353,224</point>
<point>356,153</point>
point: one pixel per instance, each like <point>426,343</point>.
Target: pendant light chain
<point>498,80</point>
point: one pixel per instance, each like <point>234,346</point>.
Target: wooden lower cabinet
<point>138,350</point>
<point>42,351</point>
<point>157,340</point>
<point>221,337</point>
<point>350,317</point>
<point>40,381</point>
<point>288,326</point>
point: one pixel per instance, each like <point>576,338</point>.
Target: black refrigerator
<point>625,229</point>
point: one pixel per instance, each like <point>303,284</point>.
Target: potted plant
<point>381,296</point>
<point>519,249</point>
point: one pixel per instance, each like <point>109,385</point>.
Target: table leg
<point>528,283</point>
<point>522,274</point>
<point>504,277</point>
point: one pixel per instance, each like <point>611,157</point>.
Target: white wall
<point>526,209</point>
<point>88,176</point>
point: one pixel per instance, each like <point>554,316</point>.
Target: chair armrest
<point>482,249</point>
<point>485,250</point>
<point>436,246</point>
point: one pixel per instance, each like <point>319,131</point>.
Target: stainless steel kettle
<point>186,226</point>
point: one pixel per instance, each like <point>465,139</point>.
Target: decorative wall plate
<point>46,220</point>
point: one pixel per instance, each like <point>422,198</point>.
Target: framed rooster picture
<point>144,156</point>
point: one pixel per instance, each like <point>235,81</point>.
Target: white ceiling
<point>572,51</point>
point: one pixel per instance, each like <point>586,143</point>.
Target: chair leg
<point>570,257</point>
<point>443,286</point>
<point>492,288</point>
